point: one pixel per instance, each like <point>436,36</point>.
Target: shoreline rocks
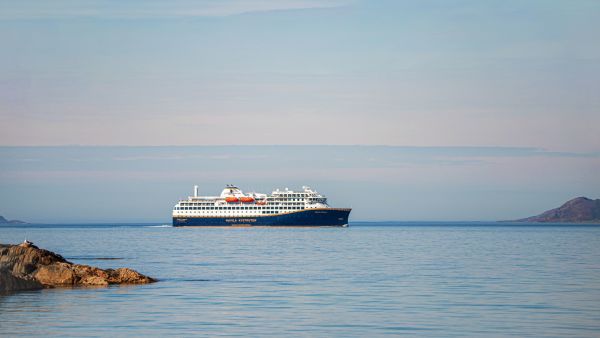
<point>27,267</point>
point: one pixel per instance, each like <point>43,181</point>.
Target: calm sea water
<point>363,281</point>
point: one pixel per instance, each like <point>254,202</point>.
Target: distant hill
<point>14,221</point>
<point>577,210</point>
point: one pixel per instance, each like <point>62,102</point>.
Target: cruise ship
<point>281,208</point>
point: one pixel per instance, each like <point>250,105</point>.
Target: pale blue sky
<point>460,73</point>
<point>427,74</point>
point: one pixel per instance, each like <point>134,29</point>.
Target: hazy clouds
<point>360,72</point>
<point>381,183</point>
<point>106,9</point>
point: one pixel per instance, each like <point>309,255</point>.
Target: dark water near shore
<point>426,279</point>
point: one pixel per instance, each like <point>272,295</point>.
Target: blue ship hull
<point>311,217</point>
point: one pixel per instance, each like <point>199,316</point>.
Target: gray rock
<point>10,282</point>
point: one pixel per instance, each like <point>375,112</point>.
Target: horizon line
<point>266,145</point>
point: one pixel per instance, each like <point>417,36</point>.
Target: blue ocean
<point>367,280</point>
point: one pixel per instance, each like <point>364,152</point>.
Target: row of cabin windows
<point>277,200</point>
<point>278,197</point>
<point>295,206</point>
<point>236,208</point>
<point>294,195</point>
<point>236,204</point>
<point>234,213</point>
<point>262,212</point>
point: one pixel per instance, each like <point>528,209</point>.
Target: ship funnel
<point>195,191</point>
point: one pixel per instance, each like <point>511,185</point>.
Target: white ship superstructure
<point>234,202</point>
<point>282,207</point>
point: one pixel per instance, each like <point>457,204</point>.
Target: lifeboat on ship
<point>231,199</point>
<point>263,202</point>
<point>247,199</point>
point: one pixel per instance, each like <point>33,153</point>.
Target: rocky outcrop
<point>27,267</point>
<point>577,210</point>
<point>10,282</point>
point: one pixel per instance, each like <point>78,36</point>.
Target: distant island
<point>14,221</point>
<point>577,210</point>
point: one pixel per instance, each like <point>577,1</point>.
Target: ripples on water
<point>365,280</point>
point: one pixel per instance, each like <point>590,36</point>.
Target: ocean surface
<point>368,280</point>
